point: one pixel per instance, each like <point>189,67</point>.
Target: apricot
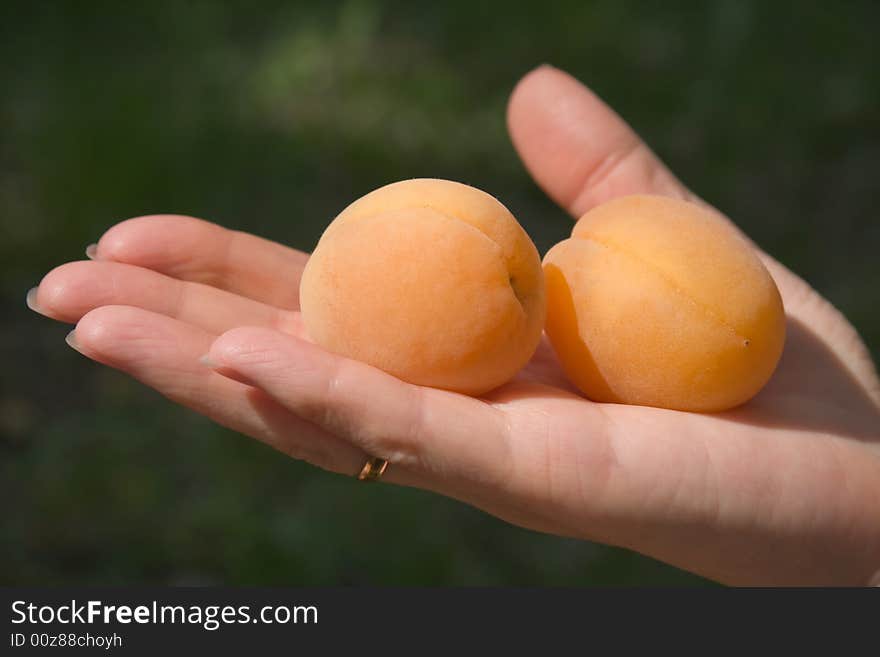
<point>430,280</point>
<point>658,302</point>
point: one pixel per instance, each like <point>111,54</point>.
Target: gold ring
<point>373,469</point>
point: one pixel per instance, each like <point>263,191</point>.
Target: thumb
<point>577,148</point>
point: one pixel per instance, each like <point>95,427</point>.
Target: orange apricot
<point>658,302</point>
<point>430,280</point>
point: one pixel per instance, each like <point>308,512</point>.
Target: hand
<point>783,490</point>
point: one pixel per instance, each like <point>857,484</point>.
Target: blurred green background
<point>270,117</point>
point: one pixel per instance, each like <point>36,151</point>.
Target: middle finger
<point>70,291</point>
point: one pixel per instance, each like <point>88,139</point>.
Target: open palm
<point>785,489</point>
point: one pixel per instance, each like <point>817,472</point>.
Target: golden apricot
<point>430,280</point>
<point>658,302</point>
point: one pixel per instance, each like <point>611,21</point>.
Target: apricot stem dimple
<point>519,297</point>
<point>504,263</point>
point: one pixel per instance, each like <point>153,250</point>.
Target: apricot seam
<point>504,260</point>
<point>705,310</point>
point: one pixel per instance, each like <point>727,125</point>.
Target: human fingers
<point>196,250</point>
<point>163,353</point>
<point>442,441</point>
<point>579,150</point>
<point>71,290</point>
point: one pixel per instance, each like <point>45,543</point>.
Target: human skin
<point>782,490</point>
<point>430,280</point>
<point>657,302</point>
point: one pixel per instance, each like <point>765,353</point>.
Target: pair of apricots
<point>652,301</point>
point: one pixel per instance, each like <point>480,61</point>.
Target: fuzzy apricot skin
<point>658,302</point>
<point>430,280</point>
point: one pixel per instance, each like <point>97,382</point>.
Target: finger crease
<point>604,169</point>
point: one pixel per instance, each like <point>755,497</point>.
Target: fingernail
<point>31,300</point>
<point>71,340</point>
<point>92,252</point>
<point>207,362</point>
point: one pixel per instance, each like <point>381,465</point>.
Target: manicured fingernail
<point>92,252</point>
<point>71,340</point>
<point>31,299</point>
<point>207,361</point>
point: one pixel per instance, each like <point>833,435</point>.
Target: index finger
<point>444,441</point>
<point>579,150</point>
